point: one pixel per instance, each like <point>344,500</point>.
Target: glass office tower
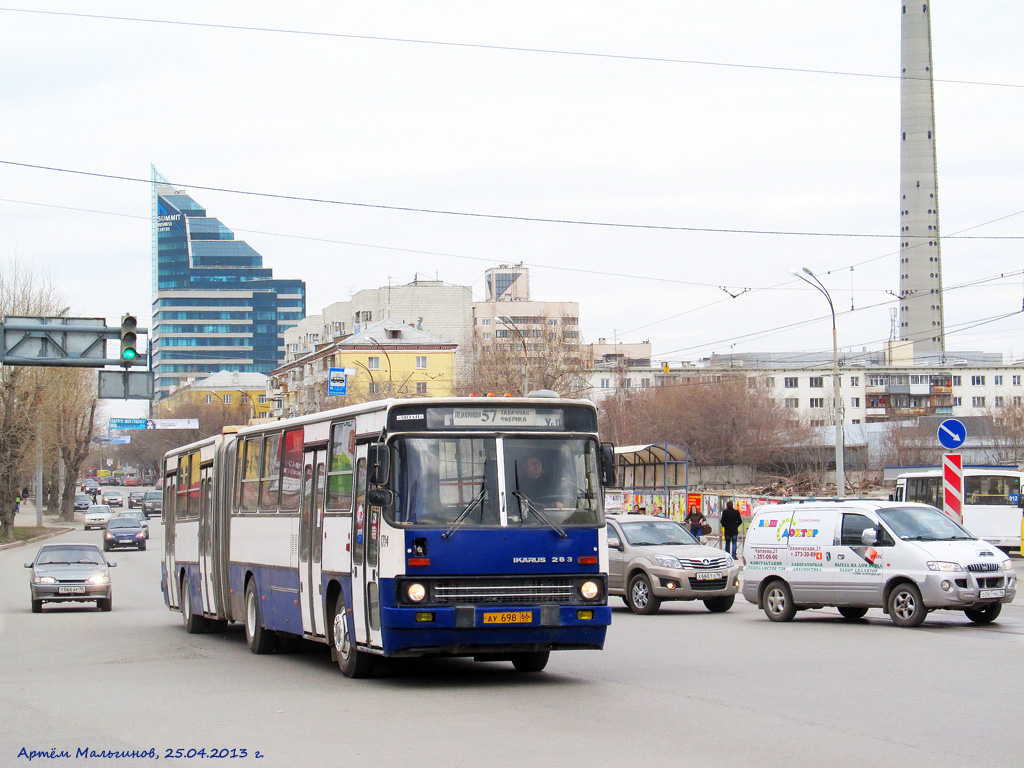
<point>215,306</point>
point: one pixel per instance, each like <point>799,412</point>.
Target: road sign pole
<point>953,485</point>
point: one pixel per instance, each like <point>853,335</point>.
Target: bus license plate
<point>986,593</point>
<point>708,576</point>
<point>509,617</point>
<point>70,590</point>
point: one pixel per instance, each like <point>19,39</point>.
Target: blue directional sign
<point>126,424</point>
<point>337,382</point>
<point>952,434</point>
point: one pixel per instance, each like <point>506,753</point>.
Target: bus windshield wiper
<point>524,499</point>
<point>470,507</point>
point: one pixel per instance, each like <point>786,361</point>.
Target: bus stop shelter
<point>655,469</point>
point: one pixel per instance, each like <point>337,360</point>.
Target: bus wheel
<point>853,612</point>
<point>533,661</point>
<point>194,625</point>
<point>985,614</point>
<point>352,662</point>
<point>260,640</point>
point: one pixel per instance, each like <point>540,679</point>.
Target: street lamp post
<point>812,280</point>
<point>507,322</point>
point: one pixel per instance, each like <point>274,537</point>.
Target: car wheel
<point>641,596</point>
<point>906,609</point>
<point>194,625</point>
<point>530,661</point>
<point>352,662</point>
<point>106,547</point>
<point>105,603</point>
<point>778,601</point>
<point>984,615</point>
<point>260,640</point>
<point>720,604</point>
<point>142,546</point>
<point>852,612</point>
<point>37,606</point>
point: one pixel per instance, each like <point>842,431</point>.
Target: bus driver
<point>541,486</point>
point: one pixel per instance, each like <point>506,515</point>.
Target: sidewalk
<point>26,518</point>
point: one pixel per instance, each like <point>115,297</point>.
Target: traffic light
<point>129,324</point>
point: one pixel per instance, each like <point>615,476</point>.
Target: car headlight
<point>1007,565</point>
<point>416,592</point>
<point>99,578</point>
<point>45,580</point>
<point>140,534</point>
<point>941,565</point>
<point>667,561</point>
<point>589,590</point>
<point>109,535</point>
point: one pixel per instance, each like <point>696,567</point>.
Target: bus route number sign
<point>507,417</point>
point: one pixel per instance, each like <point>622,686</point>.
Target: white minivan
<point>907,559</point>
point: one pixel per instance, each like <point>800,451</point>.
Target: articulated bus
<point>448,526</point>
<point>991,501</point>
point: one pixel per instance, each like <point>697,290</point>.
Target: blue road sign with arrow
<point>952,434</point>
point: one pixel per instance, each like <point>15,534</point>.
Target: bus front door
<point>206,539</point>
<point>311,526</point>
<point>167,513</point>
<point>365,570</point>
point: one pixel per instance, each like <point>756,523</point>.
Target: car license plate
<point>70,590</point>
<point>708,575</point>
<point>986,593</point>
<point>509,617</point>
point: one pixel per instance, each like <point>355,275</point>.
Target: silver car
<point>651,559</point>
<point>97,516</point>
<point>70,573</point>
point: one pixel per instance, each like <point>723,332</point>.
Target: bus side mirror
<point>378,462</point>
<point>380,498</point>
<point>608,464</point>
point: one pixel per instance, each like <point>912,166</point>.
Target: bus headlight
<point>416,592</point>
<point>589,590</point>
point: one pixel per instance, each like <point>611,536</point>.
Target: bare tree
<point>718,419</point>
<point>905,444</point>
<point>1008,433</point>
<point>540,359</point>
<point>22,293</point>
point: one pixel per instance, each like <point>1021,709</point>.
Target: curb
<point>41,537</point>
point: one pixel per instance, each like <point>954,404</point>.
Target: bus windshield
<point>922,524</point>
<point>441,481</point>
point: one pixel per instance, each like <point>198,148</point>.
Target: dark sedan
<point>70,573</point>
<point>82,502</point>
<point>124,532</point>
<point>135,499</point>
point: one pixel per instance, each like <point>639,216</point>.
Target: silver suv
<point>651,559</point>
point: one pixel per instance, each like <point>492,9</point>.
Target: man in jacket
<point>731,522</point>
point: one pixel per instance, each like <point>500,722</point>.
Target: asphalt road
<point>683,687</point>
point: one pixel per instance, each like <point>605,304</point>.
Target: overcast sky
<point>677,118</point>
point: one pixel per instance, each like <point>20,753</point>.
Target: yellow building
<point>243,395</point>
<point>386,359</point>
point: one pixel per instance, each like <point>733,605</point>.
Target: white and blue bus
<point>450,526</point>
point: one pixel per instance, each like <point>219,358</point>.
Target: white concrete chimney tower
<point>920,261</point>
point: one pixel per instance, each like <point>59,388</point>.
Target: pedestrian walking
<point>731,523</point>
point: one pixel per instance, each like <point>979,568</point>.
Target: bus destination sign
<point>550,418</point>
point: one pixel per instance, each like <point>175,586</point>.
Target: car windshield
<point>123,522</point>
<point>99,509</point>
<point>69,554</point>
<point>651,532</point>
<point>923,524</point>
<point>448,481</point>
<point>153,496</point>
